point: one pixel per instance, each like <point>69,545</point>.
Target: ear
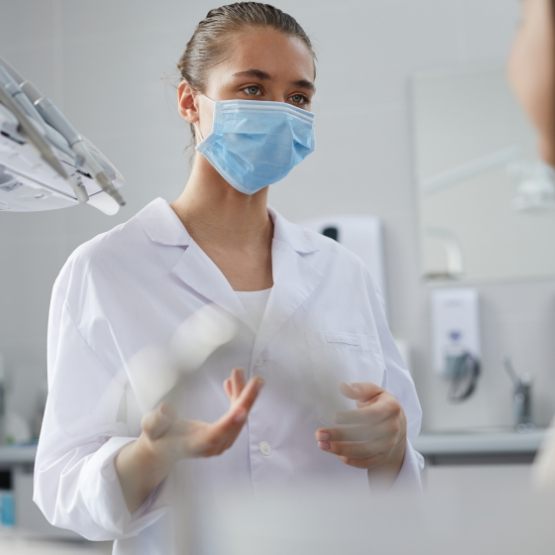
<point>186,102</point>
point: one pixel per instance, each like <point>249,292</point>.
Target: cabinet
<point>457,461</point>
<point>16,474</point>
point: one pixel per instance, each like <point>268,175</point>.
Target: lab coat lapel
<point>198,271</point>
<point>193,266</point>
<point>297,268</point>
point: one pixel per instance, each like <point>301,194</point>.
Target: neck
<point>212,210</point>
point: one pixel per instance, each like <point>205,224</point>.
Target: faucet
<point>522,397</point>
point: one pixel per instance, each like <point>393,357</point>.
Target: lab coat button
<point>265,448</point>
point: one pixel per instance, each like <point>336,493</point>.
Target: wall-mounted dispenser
<point>456,339</point>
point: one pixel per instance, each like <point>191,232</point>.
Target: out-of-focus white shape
<point>153,374</point>
<point>536,186</point>
<point>44,162</point>
<point>536,179</point>
<point>362,235</point>
<point>156,370</point>
<point>454,176</point>
<point>495,517</point>
<point>200,335</point>
<point>543,471</point>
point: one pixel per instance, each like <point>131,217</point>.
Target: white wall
<point>107,63</point>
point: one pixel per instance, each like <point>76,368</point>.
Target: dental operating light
<point>45,163</point>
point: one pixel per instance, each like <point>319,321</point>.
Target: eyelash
<point>305,99</point>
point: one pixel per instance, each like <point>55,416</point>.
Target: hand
<point>170,439</point>
<point>373,436</point>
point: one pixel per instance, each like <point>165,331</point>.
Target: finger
<point>359,463</point>
<point>344,433</point>
<point>234,384</point>
<point>350,449</point>
<point>369,415</point>
<point>249,393</point>
<point>237,382</point>
<point>227,388</point>
<point>361,391</point>
<point>158,421</point>
<point>351,418</point>
<point>222,434</point>
<point>234,419</point>
<point>240,379</point>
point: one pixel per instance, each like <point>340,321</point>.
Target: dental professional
<point>307,311</point>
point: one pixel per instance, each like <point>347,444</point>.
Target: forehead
<point>277,53</point>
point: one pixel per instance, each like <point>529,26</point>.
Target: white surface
<point>18,546</point>
<point>502,518</point>
<point>453,480</point>
<point>16,542</point>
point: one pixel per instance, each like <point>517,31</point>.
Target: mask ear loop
<point>197,127</point>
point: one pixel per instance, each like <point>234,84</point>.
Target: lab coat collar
<point>294,236</point>
<point>297,268</point>
<point>163,226</point>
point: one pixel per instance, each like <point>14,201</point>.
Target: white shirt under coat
<point>131,287</point>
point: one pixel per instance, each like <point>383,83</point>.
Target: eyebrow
<point>262,75</point>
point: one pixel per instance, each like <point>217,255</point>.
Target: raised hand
<point>171,438</point>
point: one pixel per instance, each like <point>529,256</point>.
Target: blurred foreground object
<point>499,518</point>
<point>44,162</point>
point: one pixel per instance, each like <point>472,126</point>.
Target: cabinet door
<point>456,478</point>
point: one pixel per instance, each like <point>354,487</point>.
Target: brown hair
<point>208,45</point>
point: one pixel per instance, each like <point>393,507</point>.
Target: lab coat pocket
<point>341,356</point>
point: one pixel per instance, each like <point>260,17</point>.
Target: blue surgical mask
<point>254,143</point>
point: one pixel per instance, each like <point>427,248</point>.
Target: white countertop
<point>448,442</point>
<point>480,441</point>
<point>16,542</point>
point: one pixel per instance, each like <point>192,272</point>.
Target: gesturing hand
<point>373,436</point>
<point>170,438</point>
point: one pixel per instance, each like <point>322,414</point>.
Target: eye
<point>299,99</point>
<point>252,90</point>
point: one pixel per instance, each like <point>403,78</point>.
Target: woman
<point>306,312</point>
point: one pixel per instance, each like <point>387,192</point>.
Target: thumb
<point>363,392</point>
<point>158,421</point>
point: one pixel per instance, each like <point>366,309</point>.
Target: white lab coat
<point>131,287</point>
